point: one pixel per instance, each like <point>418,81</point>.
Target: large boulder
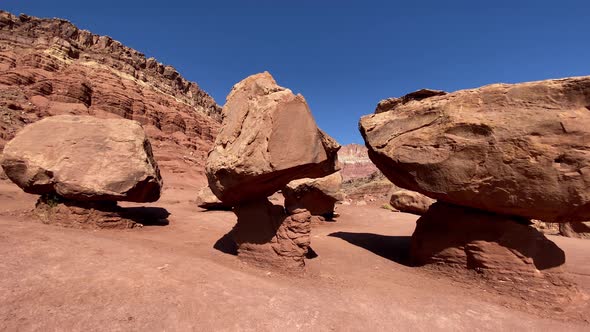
<point>520,149</point>
<point>410,202</point>
<point>318,196</point>
<point>83,158</point>
<point>268,138</point>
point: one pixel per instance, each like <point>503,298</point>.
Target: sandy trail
<point>171,278</point>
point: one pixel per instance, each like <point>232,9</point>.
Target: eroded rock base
<point>267,237</point>
<point>579,230</point>
<point>482,241</point>
<point>51,209</point>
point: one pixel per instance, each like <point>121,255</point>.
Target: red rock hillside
<point>50,67</point>
<point>355,162</point>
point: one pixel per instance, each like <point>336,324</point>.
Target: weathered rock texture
<point>374,188</point>
<point>483,241</point>
<point>94,214</point>
<point>50,67</point>
<point>521,149</point>
<point>84,158</point>
<point>410,201</point>
<point>579,230</point>
<point>207,200</point>
<point>268,139</point>
<point>318,196</point>
<point>266,236</point>
<point>354,162</point>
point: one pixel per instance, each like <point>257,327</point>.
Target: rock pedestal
<point>267,237</point>
<point>483,241</point>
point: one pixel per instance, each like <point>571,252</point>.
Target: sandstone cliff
<point>50,67</point>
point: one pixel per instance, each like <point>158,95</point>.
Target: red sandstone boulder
<point>318,196</point>
<point>207,200</point>
<point>83,158</point>
<point>268,138</point>
<point>515,149</point>
<point>410,202</point>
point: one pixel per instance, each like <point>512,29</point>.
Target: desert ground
<point>170,276</point>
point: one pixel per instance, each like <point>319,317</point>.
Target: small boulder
<point>318,196</point>
<point>83,158</point>
<point>268,138</point>
<point>207,200</point>
<point>580,230</point>
<point>410,202</point>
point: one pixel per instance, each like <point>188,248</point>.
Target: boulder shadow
<point>394,248</point>
<point>226,244</point>
<point>147,215</point>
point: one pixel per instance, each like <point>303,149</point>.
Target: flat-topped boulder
<point>268,138</point>
<point>83,158</point>
<point>318,196</point>
<point>514,149</point>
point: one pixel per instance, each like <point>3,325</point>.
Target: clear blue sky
<point>344,56</point>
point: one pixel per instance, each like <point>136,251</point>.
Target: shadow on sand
<point>394,248</point>
<point>146,215</point>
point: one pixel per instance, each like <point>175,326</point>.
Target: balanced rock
<point>83,158</point>
<point>410,202</point>
<point>206,199</point>
<point>484,241</point>
<point>520,149</point>
<point>318,196</point>
<point>268,138</point>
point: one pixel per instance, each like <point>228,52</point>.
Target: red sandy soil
<point>171,278</point>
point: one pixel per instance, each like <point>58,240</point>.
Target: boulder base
<point>486,242</point>
<point>267,237</point>
<point>92,214</point>
<point>410,202</point>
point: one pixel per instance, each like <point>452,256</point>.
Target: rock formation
<point>493,157</point>
<point>50,67</point>
<point>81,163</point>
<point>318,196</point>
<point>268,138</point>
<point>512,149</point>
<point>206,199</point>
<point>410,202</point>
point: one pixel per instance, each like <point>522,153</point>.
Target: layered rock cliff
<point>355,162</point>
<point>50,67</point>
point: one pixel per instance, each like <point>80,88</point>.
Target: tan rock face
<point>521,149</point>
<point>50,67</point>
<point>474,239</point>
<point>318,196</point>
<point>268,138</point>
<point>84,158</point>
<point>410,201</point>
